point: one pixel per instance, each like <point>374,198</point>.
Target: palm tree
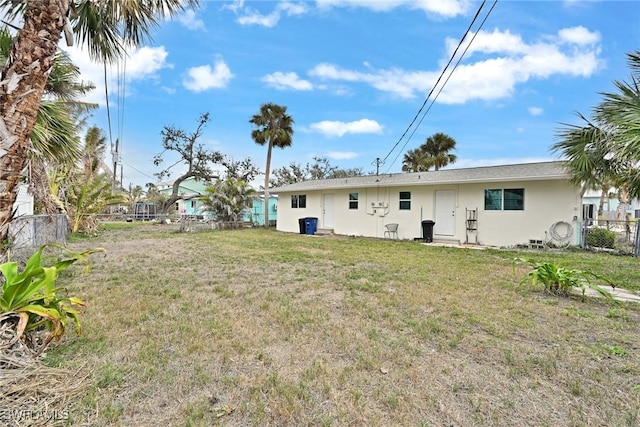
<point>434,152</point>
<point>274,127</point>
<point>227,199</point>
<point>54,137</point>
<point>95,146</point>
<point>415,161</point>
<point>437,148</point>
<point>106,28</point>
<point>604,152</point>
<point>86,197</point>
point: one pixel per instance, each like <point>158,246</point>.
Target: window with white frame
<point>353,200</point>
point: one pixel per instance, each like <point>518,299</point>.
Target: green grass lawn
<point>256,327</point>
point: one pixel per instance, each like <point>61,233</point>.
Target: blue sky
<point>354,74</point>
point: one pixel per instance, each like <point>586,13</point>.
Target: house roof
<point>520,172</point>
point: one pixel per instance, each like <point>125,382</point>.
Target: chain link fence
<point>31,231</point>
<point>621,237</point>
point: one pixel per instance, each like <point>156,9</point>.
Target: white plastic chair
<point>391,231</point>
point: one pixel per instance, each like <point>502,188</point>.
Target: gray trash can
<point>427,230</point>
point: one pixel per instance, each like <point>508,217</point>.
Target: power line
<point>139,171</point>
<point>444,84</point>
<point>436,84</point>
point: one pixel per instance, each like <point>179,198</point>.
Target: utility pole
<point>378,162</point>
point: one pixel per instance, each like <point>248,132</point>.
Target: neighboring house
<point>506,205</point>
<point>189,191</point>
<point>256,214</point>
<point>591,202</point>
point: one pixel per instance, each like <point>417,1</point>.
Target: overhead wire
<point>139,171</point>
<point>116,148</point>
<point>429,95</point>
<point>445,82</point>
<point>106,96</point>
<point>122,72</point>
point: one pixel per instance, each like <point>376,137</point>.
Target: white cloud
<point>579,35</point>
<point>501,42</point>
<point>189,20</point>
<point>292,9</point>
<point>141,63</point>
<point>396,81</point>
<point>283,81</point>
<point>443,8</point>
<point>204,77</point>
<point>506,61</point>
<point>252,17</point>
<point>255,18</point>
<point>339,129</point>
<point>342,155</point>
<point>535,111</point>
<point>234,6</point>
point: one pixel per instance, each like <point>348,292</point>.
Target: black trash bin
<point>311,225</point>
<point>427,230</point>
<point>302,224</point>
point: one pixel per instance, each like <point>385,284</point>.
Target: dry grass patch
<point>255,327</point>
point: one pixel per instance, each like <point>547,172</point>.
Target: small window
<point>492,200</point>
<point>405,200</point>
<point>509,199</point>
<point>353,200</point>
<point>177,206</point>
<point>298,201</point>
<point>193,203</point>
<point>514,199</point>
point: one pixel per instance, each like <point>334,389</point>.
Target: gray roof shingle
<point>519,172</point>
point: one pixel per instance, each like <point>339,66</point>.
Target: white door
<point>328,212</point>
<point>445,213</point>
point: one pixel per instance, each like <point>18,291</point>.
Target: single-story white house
<point>504,205</point>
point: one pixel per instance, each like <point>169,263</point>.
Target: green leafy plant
<point>602,238</point>
<point>559,280</point>
<point>32,297</point>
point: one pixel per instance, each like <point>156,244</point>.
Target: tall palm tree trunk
<point>266,186</point>
<point>22,85</point>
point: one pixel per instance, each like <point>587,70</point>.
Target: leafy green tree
<point>135,193</point>
<point>243,170</point>
<point>320,169</point>
<point>434,152</point>
<point>192,155</point>
<point>226,199</point>
<point>288,175</point>
<point>107,28</point>
<point>273,127</point>
<point>604,151</point>
<point>153,195</point>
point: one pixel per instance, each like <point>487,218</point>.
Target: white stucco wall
<point>546,202</point>
<point>24,201</point>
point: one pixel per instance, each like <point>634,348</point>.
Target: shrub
<point>32,297</point>
<point>560,280</point>
<point>601,238</point>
